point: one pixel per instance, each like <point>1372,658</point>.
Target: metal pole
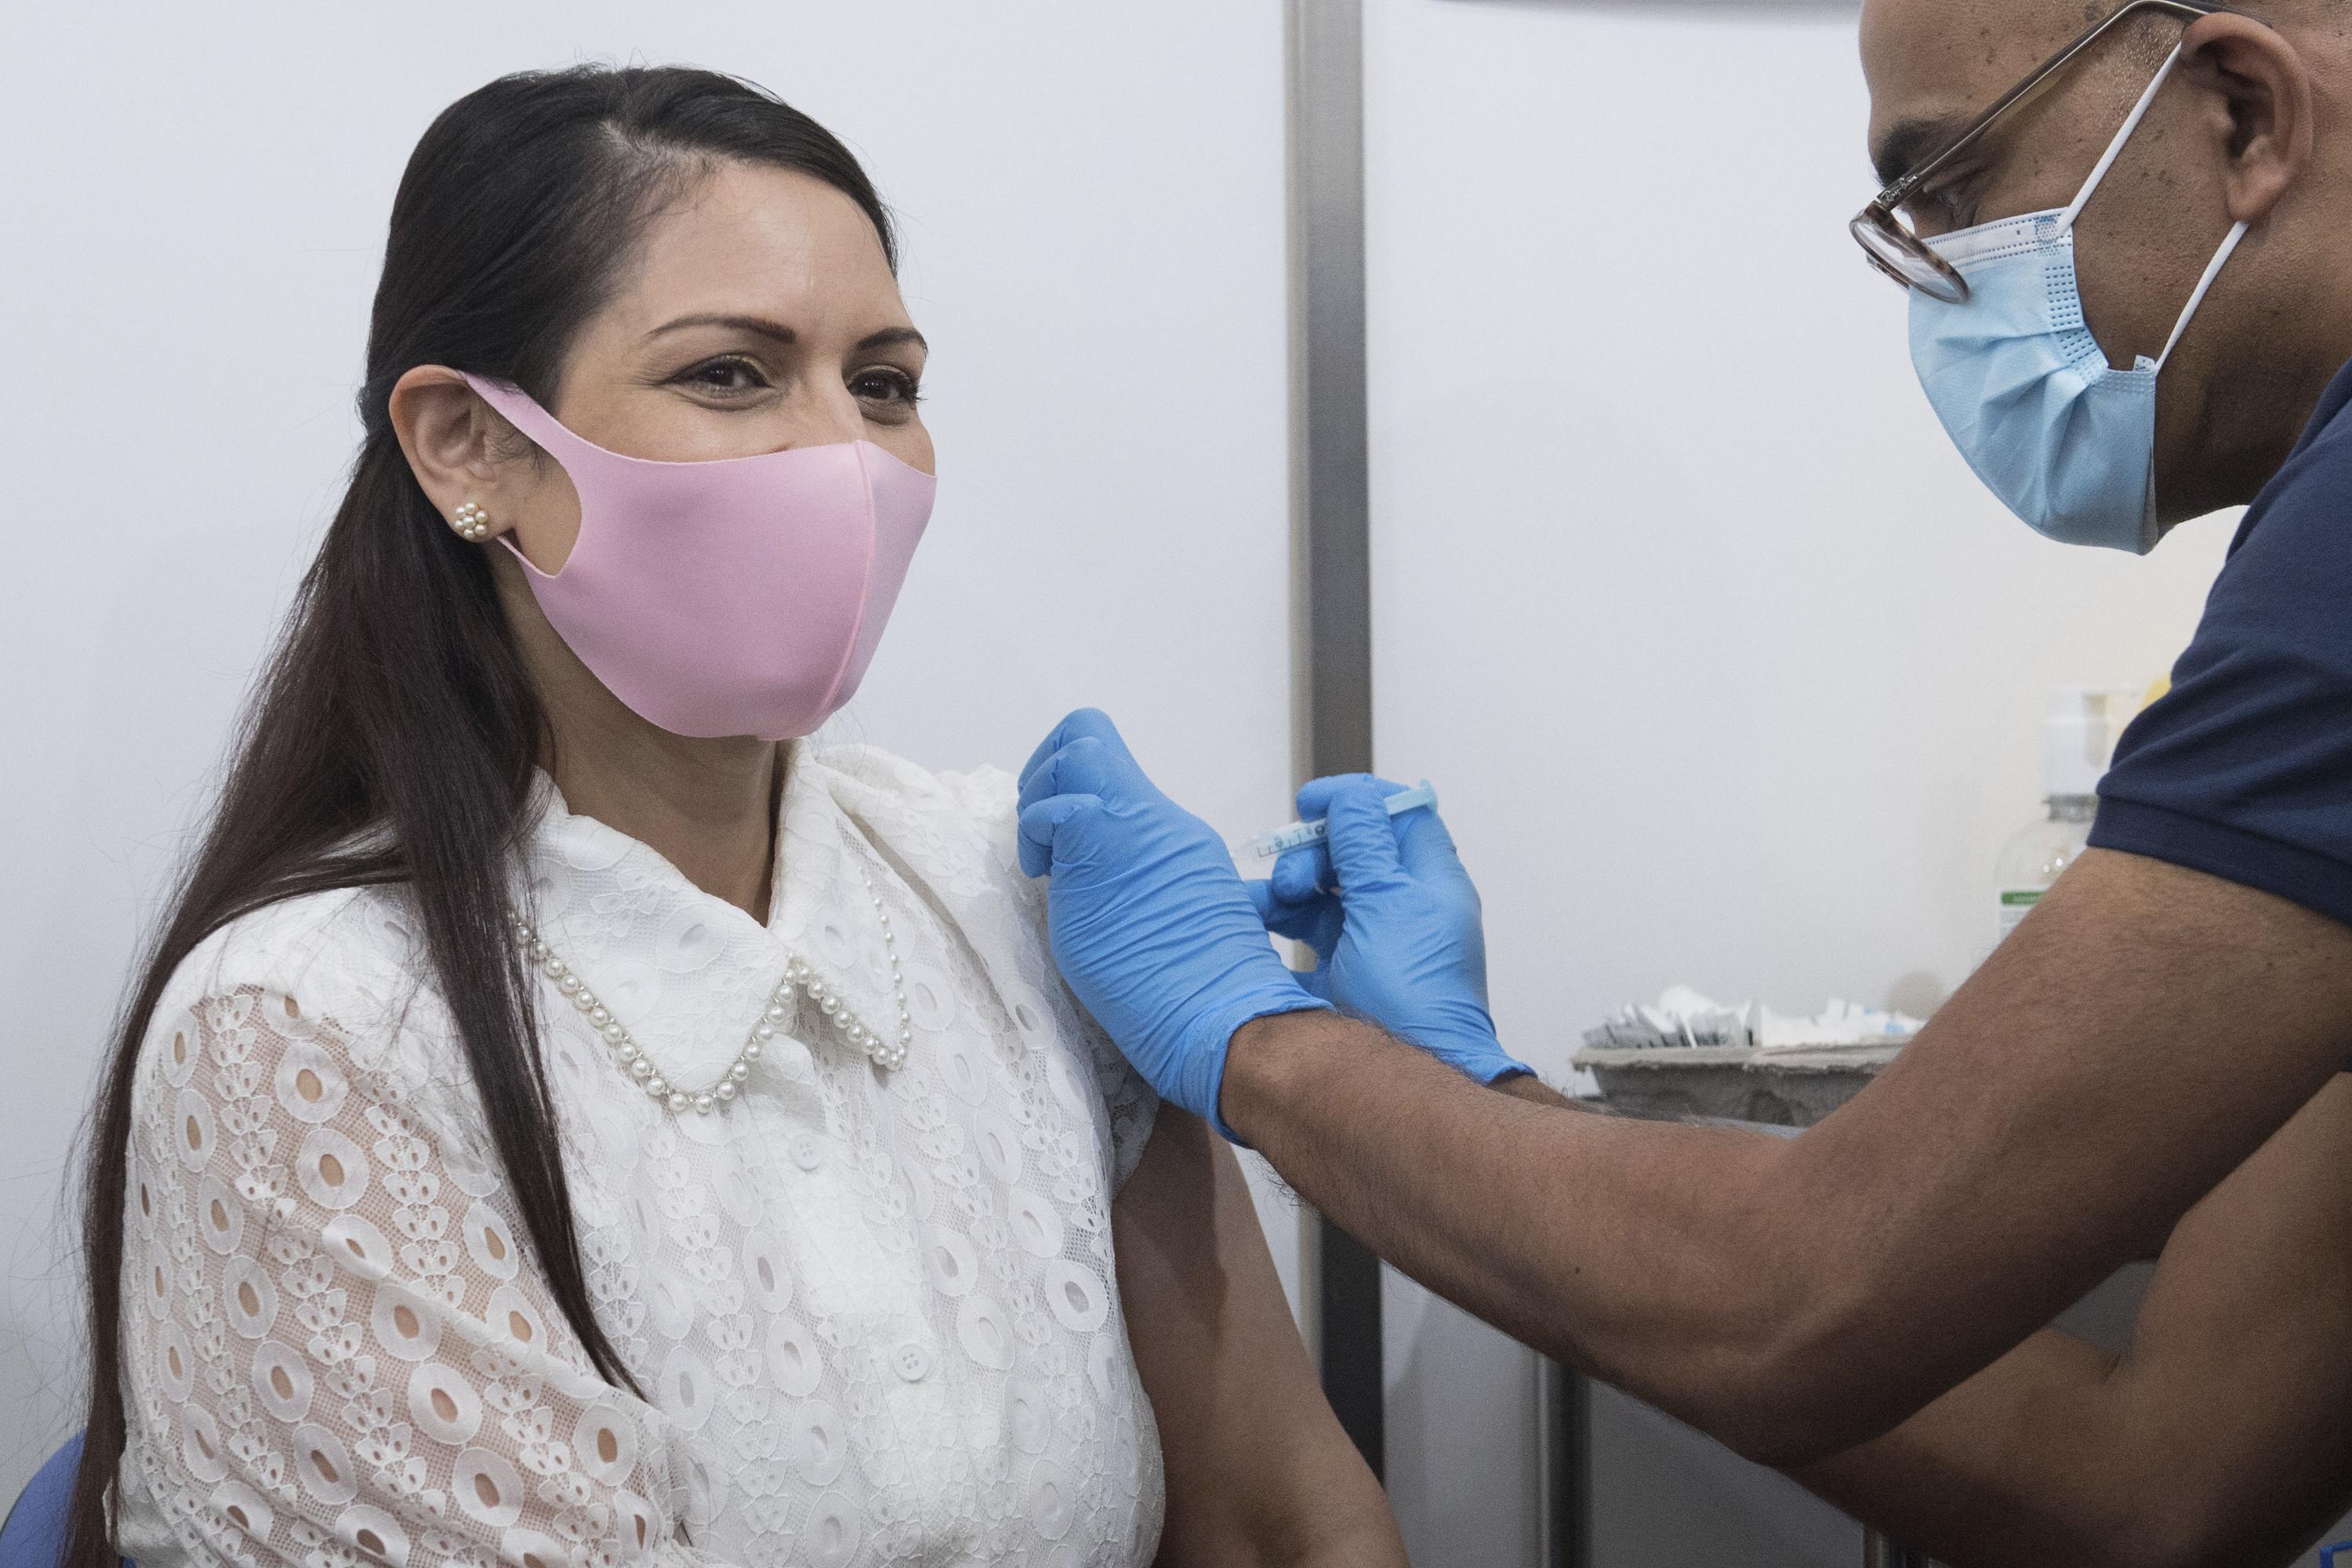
<point>1877,1552</point>
<point>1331,575</point>
<point>1563,1467</point>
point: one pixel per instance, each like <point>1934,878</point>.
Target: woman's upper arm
<point>1258,1468</point>
<point>333,1327</point>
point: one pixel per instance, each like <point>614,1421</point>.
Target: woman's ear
<point>2264,88</point>
<point>444,431</point>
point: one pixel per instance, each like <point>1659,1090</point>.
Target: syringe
<point>1299,835</point>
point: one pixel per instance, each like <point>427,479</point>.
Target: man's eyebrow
<point>759,324</point>
<point>1908,142</point>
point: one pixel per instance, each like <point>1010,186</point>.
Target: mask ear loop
<point>2115,147</point>
<point>2212,271</point>
<point>2099,172</point>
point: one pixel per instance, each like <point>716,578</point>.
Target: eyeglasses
<point>1886,236</point>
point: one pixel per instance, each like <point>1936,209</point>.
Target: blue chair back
<point>34,1535</point>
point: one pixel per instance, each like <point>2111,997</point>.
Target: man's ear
<point>2262,90</point>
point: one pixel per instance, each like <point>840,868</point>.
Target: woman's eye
<point>726,375</point>
<point>884,385</point>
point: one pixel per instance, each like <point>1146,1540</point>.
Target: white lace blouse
<point>874,1312</point>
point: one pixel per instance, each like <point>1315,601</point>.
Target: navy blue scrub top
<point>2244,769</point>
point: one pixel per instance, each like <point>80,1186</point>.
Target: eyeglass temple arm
<point>1893,196</point>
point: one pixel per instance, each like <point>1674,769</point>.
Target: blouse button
<point>806,1153</point>
<point>913,1362</point>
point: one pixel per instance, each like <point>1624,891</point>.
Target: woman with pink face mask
<point>567,1120</point>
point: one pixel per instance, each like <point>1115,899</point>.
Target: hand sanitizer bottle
<point>2077,740</point>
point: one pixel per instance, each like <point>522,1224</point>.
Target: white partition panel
<point>1727,670</point>
<point>1092,200</point>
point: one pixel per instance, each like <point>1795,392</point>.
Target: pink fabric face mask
<point>744,596</point>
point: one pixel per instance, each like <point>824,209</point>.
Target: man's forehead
<point>1933,65</point>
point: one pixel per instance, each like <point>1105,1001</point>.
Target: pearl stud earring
<point>471,522</point>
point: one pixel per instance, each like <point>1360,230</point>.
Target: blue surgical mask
<point>2024,390</point>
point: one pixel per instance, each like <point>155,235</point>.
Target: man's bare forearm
<point>1526,1085</point>
<point>1543,1221</point>
<point>2022,1463</point>
<point>2063,1452</point>
<point>2058,1452</point>
<point>1796,1296</point>
<point>2217,1435</point>
<point>2013,1466</point>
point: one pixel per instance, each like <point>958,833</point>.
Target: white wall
<point>1727,670</point>
<point>1092,219</point>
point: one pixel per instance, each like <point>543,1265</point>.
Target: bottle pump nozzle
<point>2079,736</point>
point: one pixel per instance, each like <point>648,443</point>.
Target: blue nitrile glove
<point>1149,920</point>
<point>1393,921</point>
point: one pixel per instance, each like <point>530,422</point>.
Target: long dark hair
<point>392,737</point>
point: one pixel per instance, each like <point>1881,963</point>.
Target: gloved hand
<point>1149,920</point>
<point>1393,922</point>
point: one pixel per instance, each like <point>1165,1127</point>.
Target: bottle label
<point>2016,903</point>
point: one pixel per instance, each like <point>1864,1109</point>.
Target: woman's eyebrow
<point>890,337</point>
<point>759,324</point>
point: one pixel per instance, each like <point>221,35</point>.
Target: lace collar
<point>688,974</point>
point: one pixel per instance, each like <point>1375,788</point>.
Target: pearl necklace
<point>887,1052</point>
